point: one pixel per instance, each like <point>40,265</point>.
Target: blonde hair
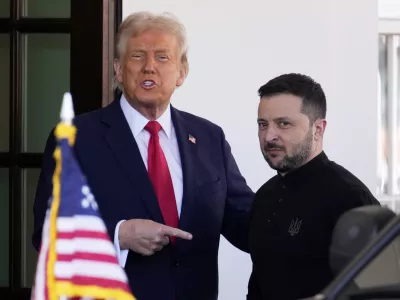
<point>137,23</point>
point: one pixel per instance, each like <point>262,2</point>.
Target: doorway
<point>46,49</point>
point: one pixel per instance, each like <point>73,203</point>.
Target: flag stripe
<point>89,269</point>
<point>83,234</point>
<point>80,222</point>
<point>87,256</point>
<point>90,245</point>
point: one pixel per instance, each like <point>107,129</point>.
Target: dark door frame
<point>92,28</point>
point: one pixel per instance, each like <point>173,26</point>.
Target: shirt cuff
<point>122,255</point>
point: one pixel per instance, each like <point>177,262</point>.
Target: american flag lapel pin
<point>192,139</point>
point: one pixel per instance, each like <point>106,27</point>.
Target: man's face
<point>286,137</point>
<point>150,69</point>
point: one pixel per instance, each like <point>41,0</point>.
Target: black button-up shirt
<point>292,220</point>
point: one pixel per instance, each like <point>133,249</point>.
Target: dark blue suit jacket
<point>216,199</point>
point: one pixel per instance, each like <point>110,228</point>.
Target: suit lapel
<point>189,158</point>
<point>122,143</point>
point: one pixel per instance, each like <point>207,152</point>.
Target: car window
<point>383,270</point>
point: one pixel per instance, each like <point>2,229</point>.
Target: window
<point>4,91</point>
<point>386,264</point>
<point>382,272</point>
<point>388,186</point>
<point>4,236</point>
<point>41,86</point>
<point>365,255</point>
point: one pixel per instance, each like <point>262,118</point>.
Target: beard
<point>301,153</point>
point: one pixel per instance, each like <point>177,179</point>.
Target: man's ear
<point>118,70</point>
<point>182,75</point>
<point>320,126</point>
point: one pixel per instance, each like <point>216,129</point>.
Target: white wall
<point>236,46</point>
<point>389,9</point>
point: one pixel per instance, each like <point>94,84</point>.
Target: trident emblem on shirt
<point>294,227</point>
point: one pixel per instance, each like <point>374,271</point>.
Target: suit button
<point>177,264</point>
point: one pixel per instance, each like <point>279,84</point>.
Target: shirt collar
<point>137,121</point>
<point>303,173</point>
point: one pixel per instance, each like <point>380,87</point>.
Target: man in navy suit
<point>166,182</point>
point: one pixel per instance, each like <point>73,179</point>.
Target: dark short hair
<point>303,86</point>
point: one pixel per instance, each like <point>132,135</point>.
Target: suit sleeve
<point>43,190</point>
<point>236,220</point>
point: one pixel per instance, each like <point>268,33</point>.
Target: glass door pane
<point>46,78</point>
<point>4,8</point>
<point>46,8</point>
<point>4,228</point>
<point>29,253</point>
<point>4,91</point>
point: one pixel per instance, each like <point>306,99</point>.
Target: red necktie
<point>160,176</point>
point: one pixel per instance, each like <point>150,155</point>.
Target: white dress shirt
<point>169,145</point>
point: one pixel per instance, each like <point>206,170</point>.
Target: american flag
<point>77,259</point>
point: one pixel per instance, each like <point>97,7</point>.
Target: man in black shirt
<point>294,213</point>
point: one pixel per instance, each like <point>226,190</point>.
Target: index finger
<point>175,232</point>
